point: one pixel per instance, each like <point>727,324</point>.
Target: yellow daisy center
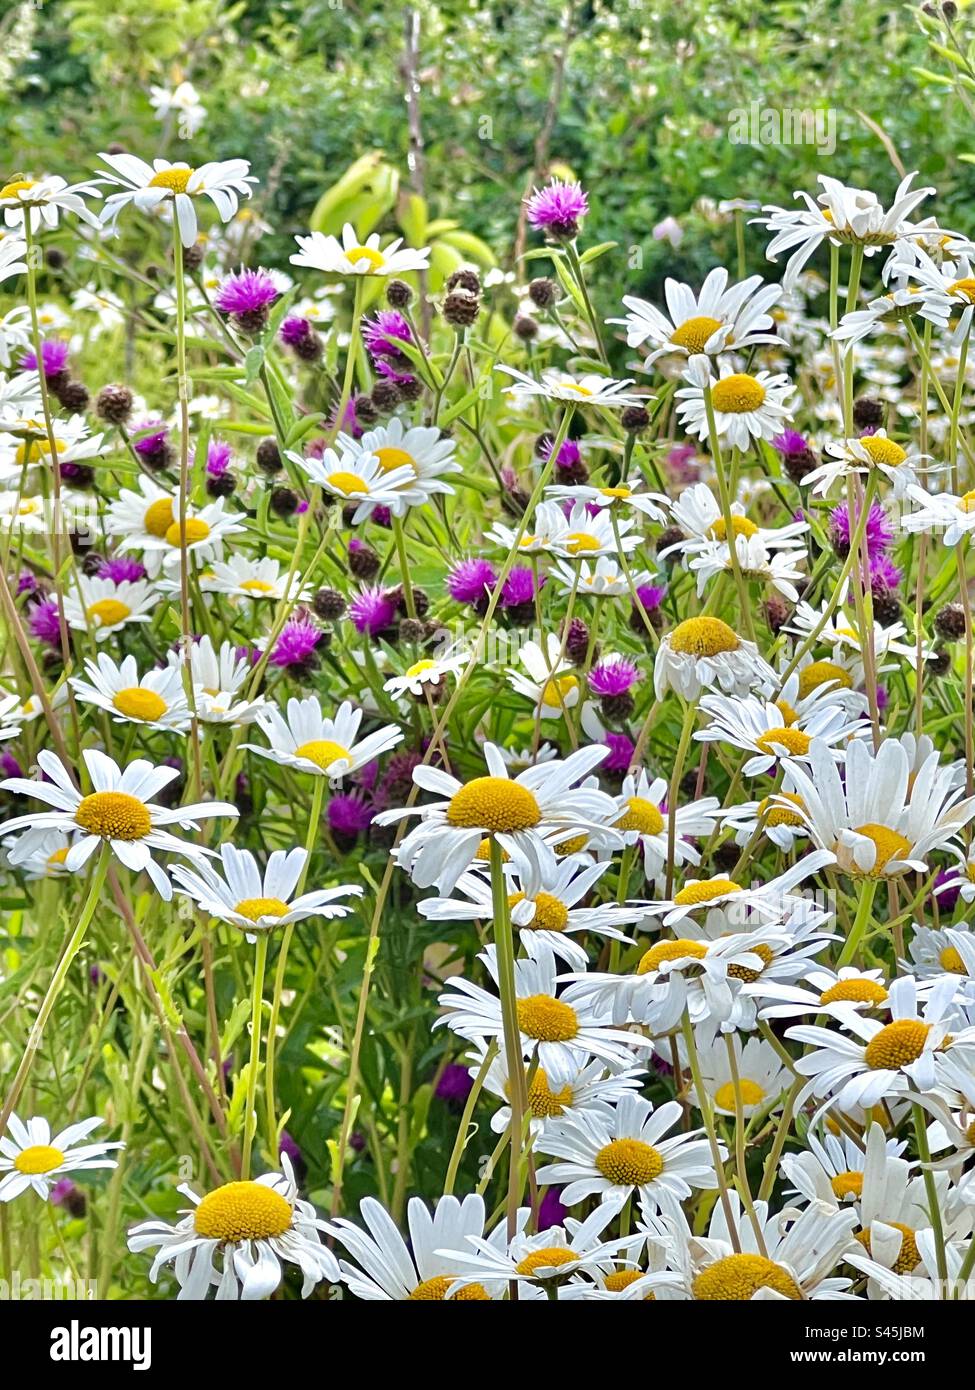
<point>256,908</point>
<point>950,959</point>
<point>693,333</point>
<point>494,804</point>
<point>196,530</point>
<point>789,715</point>
<point>33,450</point>
<point>742,972</point>
<point>629,1162</point>
<point>620,492</point>
<point>704,637</point>
<point>435,1291</point>
<point>58,857</point>
<point>965,287</point>
<point>323,752</point>
<point>818,673</point>
<point>159,517</point>
<point>546,1019</point>
<point>577,387</point>
<point>740,525</point>
<point>896,1045</point>
<point>889,845</point>
<point>420,668</point>
<point>670,950</point>
<point>552,1256</point>
<point>772,813</point>
<point>138,703</point>
<point>545,1103</point>
<point>847,1184</point>
<point>577,541</point>
<point>108,612</point>
<point>242,1211</point>
<point>966,504</point>
<point>883,450</point>
<point>641,815</point>
<point>557,691</point>
<point>793,740</point>
<point>854,992</point>
<point>738,394</point>
<point>366,253</point>
<point>113,816</point>
<point>737,1278</point>
<point>551,914</point>
<point>390,458</point>
<point>257,586</point>
<point>706,891</point>
<point>39,1158</point>
<point>909,1256</point>
<point>175,180</point>
<point>751,1094</point>
<point>10,190</point>
<point>573,845</point>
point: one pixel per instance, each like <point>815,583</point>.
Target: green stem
<point>257,1006</point>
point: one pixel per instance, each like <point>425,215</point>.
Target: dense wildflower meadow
<point>488,752</point>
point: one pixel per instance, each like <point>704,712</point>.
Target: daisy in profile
<point>156,699</point>
<point>605,579</point>
<point>718,319</point>
<point>879,821</point>
<point>556,385</point>
<point>756,726</point>
<point>31,1158</point>
<point>549,680</point>
<point>870,1061</point>
<point>259,902</point>
<point>103,607</point>
<point>562,1026</point>
<point>428,676</point>
<point>871,453</point>
<point>777,820</point>
<point>769,899</point>
<point>621,497</point>
<point>420,449</point>
<point>119,812</point>
<point>355,256</point>
<point>593,1088</point>
<point>357,478</point>
<point>218,677</point>
<point>26,443</point>
<point>543,1260</point>
<point>901,302</point>
<point>704,652</point>
<point>309,742</point>
<point>642,819</point>
<point>244,577</point>
<point>697,513</point>
<point>175,187</point>
<point>841,633</point>
<point>544,534</point>
<point>934,952</point>
<point>588,534</point>
<point>544,898</point>
<point>839,1171</point>
<point>745,407</point>
<point>43,200</point>
<point>961,878</point>
<point>948,515</point>
<point>388,1270</point>
<point>842,215</point>
<point>544,801</point>
<point>238,1237</point>
<point>761,1076</point>
<point>822,991</point>
<point>625,1154</point>
<point>780,570</point>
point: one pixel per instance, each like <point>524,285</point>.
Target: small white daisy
<point>309,742</point>
<point>354,256</point>
<point>31,1158</point>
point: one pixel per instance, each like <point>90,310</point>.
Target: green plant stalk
<point>257,1007</point>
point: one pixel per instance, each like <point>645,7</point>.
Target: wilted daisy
<point>643,820</point>
<point>237,1238</point>
<point>243,576</point>
<point>745,407</point>
<point>757,727</point>
<point>357,478</point>
<point>256,901</point>
<point>878,821</point>
<point>43,200</point>
<point>543,801</point>
<point>761,1077</point>
<point>549,682</point>
<point>871,453</point>
<point>718,319</point>
<point>355,256</point>
<point>562,1026</point>
<point>150,187</point>
<point>31,1158</point>
<point>625,1154</point>
<point>309,742</point>
<point>156,699</point>
<point>119,812</point>
<point>420,449</point>
<point>102,607</point>
<point>556,385</point>
<point>704,652</point>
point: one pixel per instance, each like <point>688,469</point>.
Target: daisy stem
<point>741,1166</point>
<point>68,955</point>
<point>961,551</point>
<point>460,1143</point>
<point>704,1105</point>
<point>350,360</point>
<point>504,943</point>
<point>931,1189</point>
<point>257,1005</point>
<point>860,923</point>
<point>404,566</point>
<point>731,535</point>
<point>680,758</point>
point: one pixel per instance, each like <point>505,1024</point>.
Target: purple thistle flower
<point>471,581</point>
<point>246,292</point>
<point>790,442</point>
<point>150,438</point>
<point>371,611</point>
<point>294,330</point>
<point>947,898</point>
<point>26,583</point>
<point>621,750</point>
<point>682,462</point>
<point>54,355</point>
<point>613,677</point>
<point>884,574</point>
<point>350,423</point>
<point>570,455</point>
<point>879,532</point>
<point>551,1212</point>
<point>62,1191</point>
<point>651,595</point>
<point>519,587</point>
<point>219,455</point>
<point>382,516</point>
<point>383,334</point>
<point>121,569</point>
<point>385,368</point>
<point>45,623</point>
<point>349,815</point>
<point>299,638</point>
<point>557,208</point>
<point>455,1084</point>
<point>9,764</point>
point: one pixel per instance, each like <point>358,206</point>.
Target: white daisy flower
<point>556,385</point>
<point>902,301</point>
<point>237,1237</point>
<point>643,820</point>
<point>153,187</point>
<point>704,652</point>
<point>256,901</point>
<point>948,515</point>
<point>43,200</point>
<point>841,633</point>
<point>838,1171</point>
<point>781,570</point>
<point>420,449</point>
<point>825,991</point>
<point>934,952</point>
<point>245,577</point>
<point>357,478</point>
<point>745,407</point>
<point>428,675</point>
<point>549,1258</point>
<point>588,535</point>
<point>762,1078</point>
<point>605,579</point>
<point>769,899</point>
<point>31,1158</point>
<point>625,1153</point>
<point>719,319</point>
<point>103,607</point>
<point>778,821</point>
<point>550,683</point>
<point>542,802</point>
<point>545,533</point>
<point>39,853</point>
<point>961,878</point>
<point>648,504</point>
<point>20,398</point>
<point>217,676</point>
<point>353,256</point>
<point>592,1088</point>
<point>156,699</point>
<point>309,742</point>
<point>25,443</point>
<point>119,812</point>
<point>870,453</point>
<point>698,514</point>
<point>757,726</point>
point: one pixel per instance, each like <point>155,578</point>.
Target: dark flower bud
<point>465,279</point>
<point>269,456</point>
<point>868,413</point>
<point>460,308</point>
<point>398,294</point>
<point>525,328</point>
<point>634,419</point>
<point>385,396</point>
<point>543,292</point>
<point>329,604</point>
<point>284,502</point>
<point>113,404</point>
<point>221,485</point>
<point>577,641</point>
<point>73,396</point>
<point>949,622</point>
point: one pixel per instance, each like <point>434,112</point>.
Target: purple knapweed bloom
<point>295,330</point>
<point>371,611</point>
<point>44,622</point>
<point>454,1084</point>
<point>471,581</point>
<point>879,533</point>
<point>383,334</point>
<point>299,638</point>
<point>349,815</point>
<point>219,455</point>
<point>557,208</point>
<point>621,750</point>
<point>121,569</point>
<point>613,677</point>
<point>54,355</point>
<point>246,292</point>
<point>519,587</point>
